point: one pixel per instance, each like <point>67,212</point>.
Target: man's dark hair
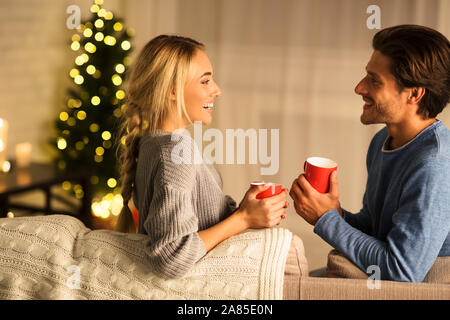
<point>420,57</point>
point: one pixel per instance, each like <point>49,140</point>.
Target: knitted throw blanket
<point>57,257</point>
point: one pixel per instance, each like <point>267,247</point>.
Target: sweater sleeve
<point>172,225</point>
<point>419,227</point>
<point>360,220</point>
<point>174,245</point>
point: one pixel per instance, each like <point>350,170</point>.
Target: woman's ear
<point>173,96</point>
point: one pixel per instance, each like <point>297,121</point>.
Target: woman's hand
<point>262,213</point>
<point>252,213</point>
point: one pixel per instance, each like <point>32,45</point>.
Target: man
<point>404,224</point>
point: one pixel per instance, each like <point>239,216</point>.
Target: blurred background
<point>290,65</point>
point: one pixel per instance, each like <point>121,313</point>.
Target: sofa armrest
<point>295,269</point>
<point>312,288</point>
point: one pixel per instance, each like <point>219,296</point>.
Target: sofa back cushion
<point>338,266</point>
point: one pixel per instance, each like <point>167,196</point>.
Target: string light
<point>61,143</point>
<point>99,36</point>
<point>126,45</point>
<point>90,69</point>
<point>110,204</point>
<point>120,68</point>
<point>99,24</point>
<point>116,79</point>
<point>63,116</point>
<point>101,13</point>
<point>78,79</point>
<point>74,72</point>
<point>95,100</point>
<point>94,8</point>
<point>120,94</point>
<point>109,15</point>
<point>106,135</point>
<point>81,115</point>
<point>87,32</point>
<point>99,151</point>
<point>112,183</point>
<point>90,47</point>
<point>94,127</point>
<point>75,46</point>
<point>117,26</point>
<point>110,40</point>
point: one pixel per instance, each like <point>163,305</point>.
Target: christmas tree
<point>88,128</point>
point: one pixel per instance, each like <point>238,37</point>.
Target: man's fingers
<point>334,186</point>
<point>295,191</point>
<point>304,184</point>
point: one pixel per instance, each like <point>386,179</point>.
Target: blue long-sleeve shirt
<point>404,224</point>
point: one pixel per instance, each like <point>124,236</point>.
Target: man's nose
<point>361,88</point>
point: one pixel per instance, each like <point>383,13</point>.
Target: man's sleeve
<point>360,220</point>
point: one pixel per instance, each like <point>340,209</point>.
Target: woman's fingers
<point>279,197</point>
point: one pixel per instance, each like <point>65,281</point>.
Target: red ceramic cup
<point>318,171</point>
<point>272,189</point>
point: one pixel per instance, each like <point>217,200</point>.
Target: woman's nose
<point>217,92</point>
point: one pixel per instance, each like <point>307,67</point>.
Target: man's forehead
<point>378,64</point>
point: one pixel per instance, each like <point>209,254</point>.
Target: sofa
<point>342,280</point>
<point>58,257</point>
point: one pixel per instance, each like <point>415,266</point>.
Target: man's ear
<point>415,94</point>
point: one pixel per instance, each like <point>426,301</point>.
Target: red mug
<point>272,189</point>
<point>318,171</point>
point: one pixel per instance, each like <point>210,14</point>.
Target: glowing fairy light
<point>99,22</point>
<point>90,47</point>
<point>125,45</point>
<point>110,40</point>
<point>116,79</point>
<point>95,100</point>
<point>117,26</point>
<point>61,143</point>
<point>106,135</point>
<point>63,116</point>
<point>87,32</point>
<point>90,69</point>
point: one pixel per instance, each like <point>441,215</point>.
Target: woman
<point>181,205</point>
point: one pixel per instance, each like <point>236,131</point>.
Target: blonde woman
<point>181,206</point>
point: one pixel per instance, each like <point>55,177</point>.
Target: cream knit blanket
<point>57,257</point>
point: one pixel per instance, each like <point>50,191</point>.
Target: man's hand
<point>311,204</point>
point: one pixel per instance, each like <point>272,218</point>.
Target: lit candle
<point>23,154</point>
<point>3,141</point>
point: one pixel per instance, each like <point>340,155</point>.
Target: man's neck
<point>404,132</point>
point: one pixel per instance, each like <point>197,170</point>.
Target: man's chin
<point>366,120</point>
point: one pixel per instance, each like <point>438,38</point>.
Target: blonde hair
<point>161,69</point>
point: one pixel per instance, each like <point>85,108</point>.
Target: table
<point>42,176</point>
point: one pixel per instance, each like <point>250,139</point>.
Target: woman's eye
<point>205,81</point>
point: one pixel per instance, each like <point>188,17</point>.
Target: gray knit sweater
<point>175,201</point>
